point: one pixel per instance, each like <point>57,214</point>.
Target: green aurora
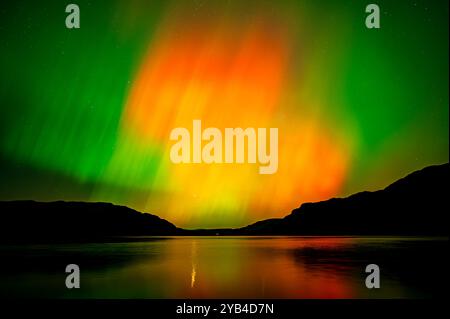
<point>63,94</point>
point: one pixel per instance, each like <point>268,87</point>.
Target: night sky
<point>86,113</point>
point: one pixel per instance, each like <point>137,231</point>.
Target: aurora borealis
<point>87,113</point>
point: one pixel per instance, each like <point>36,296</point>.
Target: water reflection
<point>226,267</point>
<point>194,262</point>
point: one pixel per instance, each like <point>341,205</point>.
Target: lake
<point>227,267</point>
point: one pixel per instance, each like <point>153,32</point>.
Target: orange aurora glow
<point>229,78</point>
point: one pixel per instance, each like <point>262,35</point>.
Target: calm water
<point>227,267</point>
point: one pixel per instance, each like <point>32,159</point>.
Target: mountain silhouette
<point>414,205</point>
<point>54,221</point>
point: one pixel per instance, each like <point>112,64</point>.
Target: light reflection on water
<point>194,262</point>
<point>225,267</point>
